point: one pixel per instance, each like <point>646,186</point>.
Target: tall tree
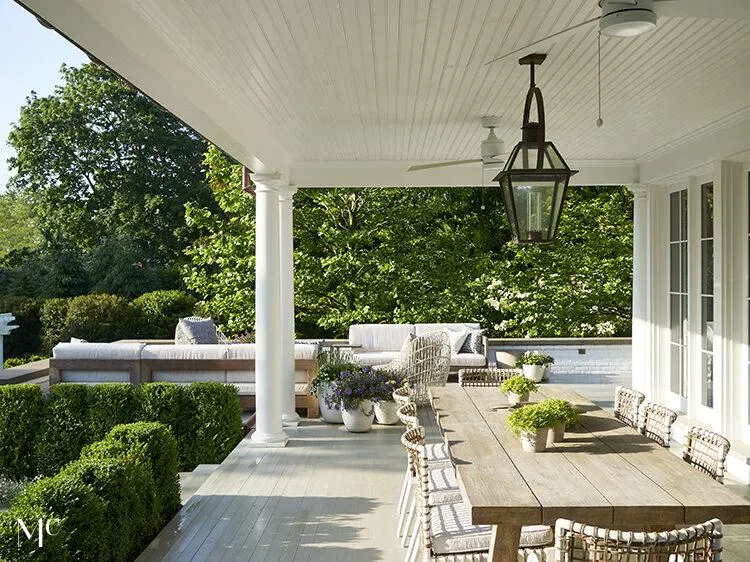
<point>100,160</point>
<point>18,228</point>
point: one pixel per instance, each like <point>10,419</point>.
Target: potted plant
<point>535,364</point>
<point>517,389</point>
<point>531,423</point>
<point>353,392</point>
<point>330,365</point>
<point>564,415</point>
<point>384,383</point>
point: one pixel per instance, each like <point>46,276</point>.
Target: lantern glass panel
<point>533,201</point>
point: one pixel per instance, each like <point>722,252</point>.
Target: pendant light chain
<point>599,120</point>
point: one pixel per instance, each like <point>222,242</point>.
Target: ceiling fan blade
<point>442,164</point>
<point>547,42</point>
<point>718,9</point>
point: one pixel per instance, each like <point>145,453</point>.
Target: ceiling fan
<point>628,18</point>
<point>491,150</point>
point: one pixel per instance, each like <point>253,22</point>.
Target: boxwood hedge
<point>20,415</point>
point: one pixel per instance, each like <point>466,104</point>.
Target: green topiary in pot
<point>518,385</point>
<point>534,358</point>
<point>532,423</point>
<point>562,411</point>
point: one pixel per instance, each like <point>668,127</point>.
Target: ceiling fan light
<point>626,22</point>
<point>492,148</point>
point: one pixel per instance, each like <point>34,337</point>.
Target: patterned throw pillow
<point>195,331</point>
<point>474,342</point>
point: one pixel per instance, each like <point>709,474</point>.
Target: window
<point>707,295</point>
<point>678,291</point>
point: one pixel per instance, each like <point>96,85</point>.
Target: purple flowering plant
<point>353,386</point>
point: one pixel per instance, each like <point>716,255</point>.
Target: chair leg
<point>404,490</point>
<point>411,519</point>
<point>402,527</point>
<point>412,554</point>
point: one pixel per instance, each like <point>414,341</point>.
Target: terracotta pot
<point>385,412</point>
<point>516,399</point>
<point>556,434</point>
<point>535,442</point>
<point>359,419</point>
<point>329,415</point>
<point>534,372</point>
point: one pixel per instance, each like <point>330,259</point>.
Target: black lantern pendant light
<point>535,176</point>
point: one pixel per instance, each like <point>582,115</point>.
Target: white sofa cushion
<point>368,359</point>
<point>247,351</point>
<point>422,329</point>
<point>379,337</point>
<point>300,376</point>
<point>468,360</point>
<point>305,351</point>
<point>124,351</point>
<point>190,351</point>
<point>249,388</point>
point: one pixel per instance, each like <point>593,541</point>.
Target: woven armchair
<point>656,423</point>
<point>426,363</point>
<point>627,403</point>
<point>579,542</point>
<point>485,377</point>
<point>707,451</point>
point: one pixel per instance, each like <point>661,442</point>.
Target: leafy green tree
<point>18,228</point>
<point>98,159</point>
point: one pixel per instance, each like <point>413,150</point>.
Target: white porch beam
<point>289,416</point>
<point>268,382</point>
<point>395,174</point>
<point>642,333</point>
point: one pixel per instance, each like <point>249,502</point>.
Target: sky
<point>30,59</point>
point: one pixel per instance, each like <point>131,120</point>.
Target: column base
<point>265,440</point>
<point>290,420</point>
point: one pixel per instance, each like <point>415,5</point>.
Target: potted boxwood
<point>535,364</point>
<point>353,392</point>
<point>517,389</point>
<point>564,414</point>
<point>384,383</point>
<point>330,365</point>
<point>531,423</point>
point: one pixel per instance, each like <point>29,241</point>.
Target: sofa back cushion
<point>380,337</point>
<point>111,351</point>
<point>422,329</point>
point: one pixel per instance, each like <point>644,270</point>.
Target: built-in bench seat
<point>139,362</point>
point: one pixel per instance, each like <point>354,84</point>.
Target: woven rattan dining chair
<point>401,396</point>
<point>707,451</point>
<point>484,376</point>
<point>627,403</point>
<point>655,422</point>
<point>579,542</point>
<point>445,529</point>
<point>426,363</point>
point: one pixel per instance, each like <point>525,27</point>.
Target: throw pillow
<point>406,347</point>
<point>77,340</point>
<point>457,338</point>
<point>474,342</point>
<point>195,331</point>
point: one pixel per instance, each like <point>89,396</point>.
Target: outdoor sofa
<point>139,362</point>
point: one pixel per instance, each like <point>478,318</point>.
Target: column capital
<point>639,190</point>
<point>266,182</point>
<point>286,192</point>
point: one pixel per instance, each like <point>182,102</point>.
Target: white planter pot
<point>359,420</point>
<point>330,415</point>
<point>534,442</point>
<point>516,399</point>
<point>556,434</point>
<point>385,412</point>
<point>534,372</point>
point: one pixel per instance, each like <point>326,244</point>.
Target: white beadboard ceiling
<point>307,87</point>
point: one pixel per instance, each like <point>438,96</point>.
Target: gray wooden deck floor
<point>329,496</point>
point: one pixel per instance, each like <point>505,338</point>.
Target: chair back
<point>655,422</point>
<point>413,441</point>
<point>408,415</point>
<point>426,363</point>
<point>707,451</point>
<point>579,542</point>
<point>627,403</point>
<point>484,377</point>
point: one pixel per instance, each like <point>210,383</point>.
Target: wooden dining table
<point>603,473</point>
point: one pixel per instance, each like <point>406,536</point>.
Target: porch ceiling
<point>352,92</point>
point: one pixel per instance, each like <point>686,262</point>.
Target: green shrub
<point>26,339</point>
<point>20,415</point>
<point>54,324</point>
<point>159,312</point>
<point>160,447</point>
<point>77,534</point>
<point>125,484</point>
<point>100,318</point>
<point>518,384</point>
<point>530,418</point>
<point>217,417</point>
<point>110,405</point>
<point>165,402</point>
<point>16,361</point>
<point>64,429</point>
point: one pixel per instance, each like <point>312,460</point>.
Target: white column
<point>642,330</point>
<point>268,388</point>
<point>289,416</point>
